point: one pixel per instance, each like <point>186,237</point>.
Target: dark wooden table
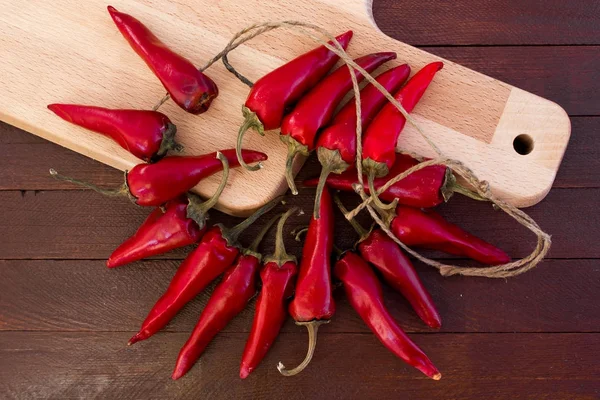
<point>65,318</point>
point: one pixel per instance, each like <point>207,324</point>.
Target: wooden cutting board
<point>70,51</point>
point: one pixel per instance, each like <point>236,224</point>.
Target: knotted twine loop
<point>482,188</point>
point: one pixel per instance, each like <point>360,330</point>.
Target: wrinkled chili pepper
<point>146,134</point>
<point>228,299</point>
<point>314,110</point>
<point>377,248</point>
<point>277,277</point>
<point>216,251</point>
<point>366,297</point>
<point>379,141</point>
<point>272,95</point>
<point>181,223</point>
<point>336,145</point>
<point>189,88</point>
<point>169,178</point>
<point>313,303</point>
<point>430,230</point>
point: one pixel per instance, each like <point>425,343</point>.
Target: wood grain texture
<point>489,22</point>
<point>82,224</point>
<point>86,296</point>
<point>470,116</point>
<point>67,365</point>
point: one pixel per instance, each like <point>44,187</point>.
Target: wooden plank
<point>86,296</point>
<point>490,366</point>
<point>469,22</point>
<point>472,117</point>
<point>25,160</point>
<point>85,225</point>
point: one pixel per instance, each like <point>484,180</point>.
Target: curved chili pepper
<point>336,145</point>
<point>314,110</point>
<point>425,188</point>
<point>277,277</point>
<point>181,223</point>
<point>313,304</point>
<point>228,299</point>
<point>383,253</point>
<point>366,297</point>
<point>272,95</point>
<point>189,88</point>
<point>414,227</point>
<point>379,141</point>
<point>146,134</point>
<point>216,251</point>
<point>155,184</point>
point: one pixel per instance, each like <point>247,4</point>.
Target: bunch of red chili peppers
<point>300,99</point>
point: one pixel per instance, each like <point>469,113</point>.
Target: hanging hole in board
<point>523,144</point>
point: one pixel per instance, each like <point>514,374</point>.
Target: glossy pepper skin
<point>154,184</point>
<point>272,94</point>
<point>161,232</point>
<point>379,141</point>
<point>430,230</point>
<point>228,299</point>
<point>146,134</point>
<point>203,265</point>
<point>189,88</point>
<point>313,303</point>
<point>397,270</point>
<point>424,188</point>
<point>366,297</point>
<point>277,277</point>
<point>215,253</point>
<point>314,110</point>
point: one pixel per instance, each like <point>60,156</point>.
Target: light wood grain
<point>62,51</point>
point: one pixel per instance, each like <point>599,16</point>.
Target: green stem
<point>168,142</point>
<point>299,233</point>
<point>289,171</point>
<point>325,171</point>
<point>313,327</point>
<point>123,190</point>
<point>261,235</point>
<point>198,211</point>
<point>280,256</point>
<point>376,201</point>
<point>234,233</point>
<point>362,232</point>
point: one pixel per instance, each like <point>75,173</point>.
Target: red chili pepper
<point>189,88</point>
<point>379,141</point>
<point>366,297</point>
<point>336,145</point>
<point>425,188</point>
<point>277,277</point>
<point>145,134</point>
<point>314,111</point>
<point>272,95</point>
<point>383,253</point>
<point>418,228</point>
<point>181,223</point>
<point>313,303</point>
<point>216,251</point>
<point>155,184</point>
<point>229,298</point>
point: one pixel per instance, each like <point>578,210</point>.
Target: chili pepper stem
<point>376,201</point>
<point>299,233</point>
<point>451,186</point>
<point>331,161</point>
<point>251,120</point>
<point>294,147</point>
<point>199,211</point>
<point>280,256</point>
<point>362,232</point>
<point>312,327</point>
<point>231,235</point>
<point>123,190</point>
<point>168,142</point>
<point>253,249</point>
